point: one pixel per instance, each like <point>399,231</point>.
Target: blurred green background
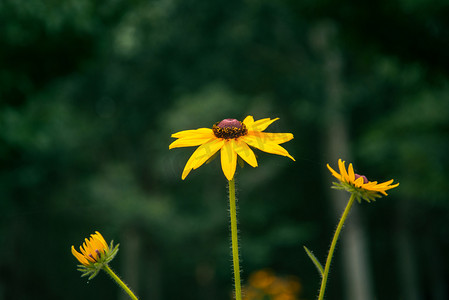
<point>90,92</point>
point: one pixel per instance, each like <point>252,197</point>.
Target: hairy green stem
<point>332,248</point>
<point>234,240</point>
<point>117,279</point>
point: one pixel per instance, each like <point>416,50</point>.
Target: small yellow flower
<point>359,184</point>
<point>95,253</point>
<point>233,138</point>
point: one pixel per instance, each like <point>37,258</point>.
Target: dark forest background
<point>90,92</point>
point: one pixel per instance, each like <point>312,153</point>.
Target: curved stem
<point>234,240</point>
<point>332,248</point>
<point>119,281</point>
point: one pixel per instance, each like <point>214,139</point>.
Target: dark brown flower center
<point>229,129</point>
<point>365,180</point>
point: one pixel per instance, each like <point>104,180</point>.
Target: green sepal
<point>112,253</point>
<point>315,261</point>
<point>359,193</point>
<point>91,270</point>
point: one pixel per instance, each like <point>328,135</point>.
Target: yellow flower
<point>359,184</point>
<point>95,253</point>
<point>264,284</point>
<point>233,138</point>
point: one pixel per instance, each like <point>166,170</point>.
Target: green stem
<point>332,248</point>
<point>234,240</point>
<point>119,281</point>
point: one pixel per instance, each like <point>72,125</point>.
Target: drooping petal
<point>258,143</point>
<point>275,138</point>
<point>245,152</point>
<point>261,125</point>
<point>192,133</point>
<point>228,159</point>
<point>208,150</point>
<point>201,155</point>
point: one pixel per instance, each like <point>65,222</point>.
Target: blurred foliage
<point>90,92</point>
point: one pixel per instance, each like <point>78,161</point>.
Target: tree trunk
<point>130,255</point>
<point>353,245</point>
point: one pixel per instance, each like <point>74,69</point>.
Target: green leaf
<point>315,261</point>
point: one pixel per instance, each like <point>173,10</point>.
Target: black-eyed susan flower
<point>360,188</point>
<point>94,254</point>
<point>233,139</point>
<point>359,185</point>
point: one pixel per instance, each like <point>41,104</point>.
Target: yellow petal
<point>335,174</point>
<point>276,149</point>
<point>189,142</point>
<point>351,173</point>
<point>98,246</point>
<point>201,155</point>
<point>393,186</point>
<point>386,183</point>
<point>344,175</point>
<point>85,248</point>
<point>390,186</point>
<point>370,185</point>
<point>248,121</point>
<point>358,182</point>
<point>275,138</point>
<point>245,152</point>
<point>265,146</point>
<point>192,133</point>
<point>260,125</point>
<point>87,252</point>
<point>228,159</point>
<point>90,253</point>
<point>79,257</point>
<point>100,238</point>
